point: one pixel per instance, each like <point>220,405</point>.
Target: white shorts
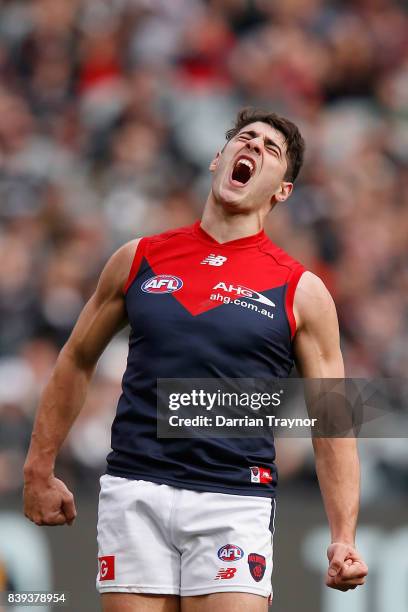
<point>154,538</point>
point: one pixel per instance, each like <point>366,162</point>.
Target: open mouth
<point>243,170</point>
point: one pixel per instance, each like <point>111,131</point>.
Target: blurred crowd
<point>110,112</point>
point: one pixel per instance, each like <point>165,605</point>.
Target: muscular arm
<point>46,499</point>
<point>318,355</point>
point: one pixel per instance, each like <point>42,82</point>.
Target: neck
<point>225,225</point>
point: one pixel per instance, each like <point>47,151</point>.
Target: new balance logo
<point>226,574</point>
<point>214,260</point>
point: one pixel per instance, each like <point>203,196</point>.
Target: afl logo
<point>230,553</point>
<point>162,283</point>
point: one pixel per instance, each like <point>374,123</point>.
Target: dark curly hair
<point>295,145</point>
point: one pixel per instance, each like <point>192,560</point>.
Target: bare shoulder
<point>121,260</point>
<point>313,300</point>
<point>317,340</point>
<point>117,268</point>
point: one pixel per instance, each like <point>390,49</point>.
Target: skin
<point>318,355</point>
<point>231,212</point>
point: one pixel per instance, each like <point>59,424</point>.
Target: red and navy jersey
<point>201,309</point>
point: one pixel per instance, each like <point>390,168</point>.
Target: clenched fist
<point>47,501</point>
<point>347,569</point>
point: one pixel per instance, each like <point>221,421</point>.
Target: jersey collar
<point>246,241</point>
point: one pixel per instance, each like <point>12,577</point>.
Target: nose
<point>255,144</point>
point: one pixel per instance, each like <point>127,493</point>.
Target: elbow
<point>75,357</point>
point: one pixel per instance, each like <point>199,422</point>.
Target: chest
<point>205,297</point>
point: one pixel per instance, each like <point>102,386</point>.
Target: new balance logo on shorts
<point>107,568</point>
<point>226,573</point>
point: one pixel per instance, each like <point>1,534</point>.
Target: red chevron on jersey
<point>244,270</point>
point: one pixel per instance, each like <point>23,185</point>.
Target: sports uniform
<point>182,516</point>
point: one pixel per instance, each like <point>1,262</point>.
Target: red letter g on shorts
<point>107,568</point>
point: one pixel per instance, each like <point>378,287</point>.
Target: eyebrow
<point>267,140</point>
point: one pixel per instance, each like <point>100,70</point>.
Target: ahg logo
<point>240,290</point>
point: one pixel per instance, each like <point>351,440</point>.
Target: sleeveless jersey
<point>201,309</point>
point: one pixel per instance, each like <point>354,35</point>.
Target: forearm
<point>60,404</point>
<point>338,471</point>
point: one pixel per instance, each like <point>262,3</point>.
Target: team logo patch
<point>162,283</point>
<point>230,553</point>
<point>257,566</point>
<point>260,475</point>
<point>226,573</point>
<point>107,568</point>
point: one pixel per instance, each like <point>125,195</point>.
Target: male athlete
<point>186,525</point>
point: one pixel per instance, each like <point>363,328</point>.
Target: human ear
<point>284,191</point>
<point>214,163</point>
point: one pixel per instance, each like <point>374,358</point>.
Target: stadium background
<point>110,112</point>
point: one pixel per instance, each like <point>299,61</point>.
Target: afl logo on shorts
<point>162,283</point>
<point>230,553</point>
